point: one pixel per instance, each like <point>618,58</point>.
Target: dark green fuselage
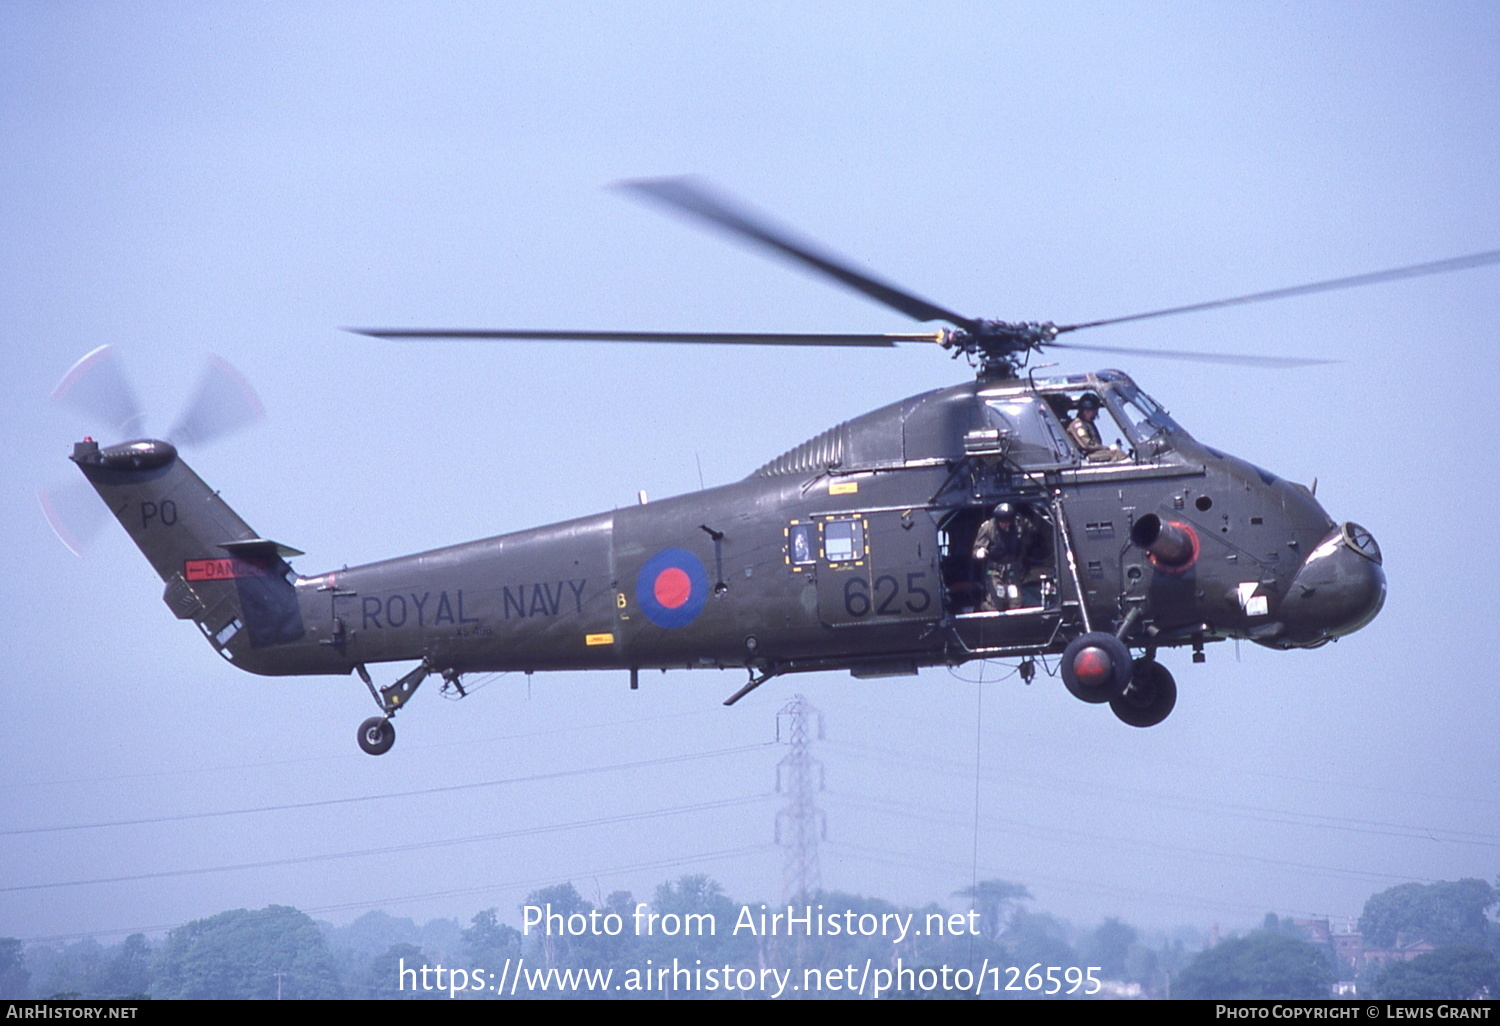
<point>848,552</point>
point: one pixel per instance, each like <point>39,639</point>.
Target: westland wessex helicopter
<point>983,520</point>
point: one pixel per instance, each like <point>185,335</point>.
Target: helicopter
<point>983,520</point>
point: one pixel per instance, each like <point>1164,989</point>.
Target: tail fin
<point>235,585</point>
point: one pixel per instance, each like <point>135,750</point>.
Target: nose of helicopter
<point>1339,588</point>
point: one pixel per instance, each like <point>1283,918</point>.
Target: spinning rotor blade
<point>691,196</point>
<point>1000,348</point>
<point>1234,359</point>
<point>96,387</point>
<point>222,403</point>
<point>73,511</point>
<point>742,338</point>
<point>1331,285</point>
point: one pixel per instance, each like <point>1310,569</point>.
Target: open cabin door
<point>1003,611</point>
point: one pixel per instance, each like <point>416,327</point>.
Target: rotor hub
<point>1001,347</point>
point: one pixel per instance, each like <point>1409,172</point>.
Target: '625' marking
<point>886,596</point>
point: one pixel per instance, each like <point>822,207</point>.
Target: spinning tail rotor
<point>221,403</point>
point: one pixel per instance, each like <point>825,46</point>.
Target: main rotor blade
<point>1235,359</point>
<point>222,403</point>
<point>738,338</point>
<point>96,386</point>
<point>1331,285</point>
<point>693,196</point>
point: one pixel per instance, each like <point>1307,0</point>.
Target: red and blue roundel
<point>672,588</point>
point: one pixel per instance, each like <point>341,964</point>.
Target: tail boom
<point>236,586</point>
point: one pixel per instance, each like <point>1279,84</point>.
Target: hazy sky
<point>186,179</point>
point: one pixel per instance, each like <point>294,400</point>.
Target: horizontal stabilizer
<point>264,547</point>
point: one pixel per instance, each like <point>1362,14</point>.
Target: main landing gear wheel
<point>1149,698</point>
<point>376,735</point>
<point>1096,667</point>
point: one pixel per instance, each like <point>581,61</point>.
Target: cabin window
<point>801,548</point>
<point>843,540</point>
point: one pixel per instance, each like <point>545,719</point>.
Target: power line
<point>712,856</point>
<point>399,848</point>
<point>443,789</point>
<point>1254,813</point>
<point>409,749</point>
<point>1076,838</point>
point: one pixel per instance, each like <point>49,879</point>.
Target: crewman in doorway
<point>1001,546</point>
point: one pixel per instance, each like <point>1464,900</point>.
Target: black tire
<point>1149,698</point>
<point>376,735</point>
<point>1096,667</point>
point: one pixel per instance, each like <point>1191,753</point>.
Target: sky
<point>180,180</point>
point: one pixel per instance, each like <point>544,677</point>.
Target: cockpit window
<point>1138,419</point>
<point>1030,436</point>
<point>1092,426</point>
<point>1144,417</point>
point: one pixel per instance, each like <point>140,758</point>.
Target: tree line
<point>279,951</point>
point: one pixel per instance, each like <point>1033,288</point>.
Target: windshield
<point>1143,416</point>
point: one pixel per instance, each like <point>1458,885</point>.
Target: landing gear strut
<point>376,735</point>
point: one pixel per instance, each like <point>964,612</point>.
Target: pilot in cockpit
<point>1085,433</point>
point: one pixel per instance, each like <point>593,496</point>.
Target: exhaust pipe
<point>1171,545</point>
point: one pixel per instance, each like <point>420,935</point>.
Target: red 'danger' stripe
<point>220,569</point>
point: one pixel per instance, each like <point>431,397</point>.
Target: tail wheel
<point>1096,667</point>
<point>1149,698</point>
<point>376,735</point>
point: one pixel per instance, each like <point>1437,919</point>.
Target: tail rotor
<point>222,403</point>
